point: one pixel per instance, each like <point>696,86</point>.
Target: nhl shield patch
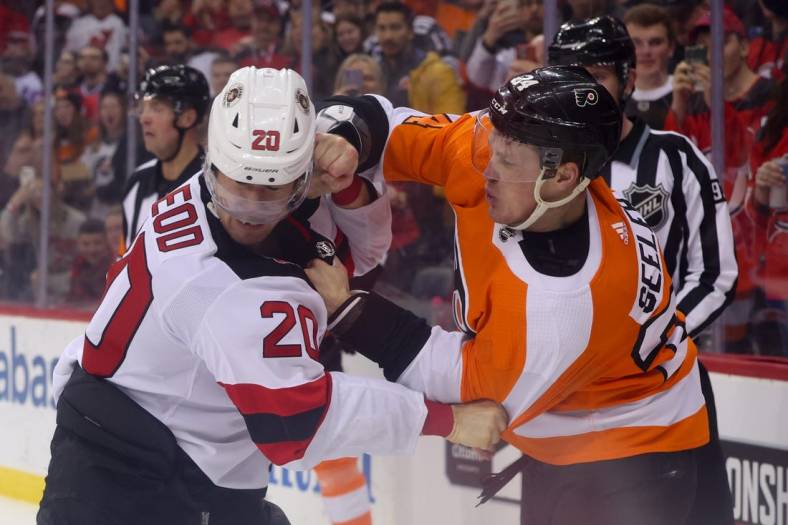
<point>651,202</point>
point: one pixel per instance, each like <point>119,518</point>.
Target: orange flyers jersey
<point>589,367</point>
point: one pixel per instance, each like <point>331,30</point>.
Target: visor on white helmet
<point>254,203</point>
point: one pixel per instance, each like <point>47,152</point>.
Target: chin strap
<point>542,206</point>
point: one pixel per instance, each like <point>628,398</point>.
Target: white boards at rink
<point>437,485</point>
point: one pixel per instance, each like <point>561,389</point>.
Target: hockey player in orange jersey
<point>562,294</point>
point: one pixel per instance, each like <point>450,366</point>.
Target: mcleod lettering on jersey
<point>145,187</point>
<point>592,366</point>
<point>221,345</point>
<point>669,181</point>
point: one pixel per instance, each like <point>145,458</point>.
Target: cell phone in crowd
<point>26,175</point>
<point>778,195</point>
<point>696,55</point>
<point>354,78</point>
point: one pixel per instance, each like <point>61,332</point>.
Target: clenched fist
<point>478,424</point>
<point>336,161</point>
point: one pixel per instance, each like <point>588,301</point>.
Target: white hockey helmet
<point>261,132</point>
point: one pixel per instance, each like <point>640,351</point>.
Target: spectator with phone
<point>512,26</point>
<point>746,94</point>
<point>20,227</point>
<point>746,102</point>
<point>768,206</point>
<point>652,33</point>
<point>359,74</point>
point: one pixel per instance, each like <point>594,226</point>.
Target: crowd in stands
<point>436,56</point>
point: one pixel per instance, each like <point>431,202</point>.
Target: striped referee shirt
<point>675,189</point>
<point>147,185</point>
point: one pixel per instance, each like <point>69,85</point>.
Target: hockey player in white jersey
<point>199,368</point>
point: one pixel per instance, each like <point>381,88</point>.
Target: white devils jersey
<point>221,346</point>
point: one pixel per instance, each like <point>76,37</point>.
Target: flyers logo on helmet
<point>585,97</point>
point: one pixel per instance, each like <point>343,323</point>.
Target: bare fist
<point>336,161</point>
<point>478,424</point>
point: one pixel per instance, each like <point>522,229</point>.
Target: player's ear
<point>568,174</point>
<point>187,118</point>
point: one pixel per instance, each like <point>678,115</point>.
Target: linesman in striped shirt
<point>171,103</point>
<point>674,187</point>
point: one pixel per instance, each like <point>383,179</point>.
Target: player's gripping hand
<point>336,161</point>
<point>330,281</point>
<point>478,424</point>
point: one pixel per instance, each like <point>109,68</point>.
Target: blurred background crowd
<point>436,56</point>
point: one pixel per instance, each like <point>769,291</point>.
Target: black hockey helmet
<point>559,109</point>
<point>603,40</point>
<point>183,86</point>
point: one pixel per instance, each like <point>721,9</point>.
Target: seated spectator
<point>325,57</point>
<point>14,114</point>
<point>652,33</point>
<point>349,9</point>
<point>17,166</point>
<point>20,227</point>
<point>359,74</point>
<point>415,78</point>
<point>457,17</point>
<point>107,178</point>
<point>206,18</point>
<point>767,52</point>
<point>65,13</point>
<point>169,12</point>
<point>510,28</point>
<point>36,125</point>
<point>221,69</point>
<point>179,48</point>
<point>101,28</point>
<point>17,60</point>
<point>66,73</point>
<point>768,206</point>
<point>264,48</point>
<point>89,269</point>
<point>113,230</point>
<point>349,35</point>
<point>427,35</point>
<point>582,9</point>
<point>73,133</point>
<point>92,66</point>
<point>240,14</point>
<point>12,20</point>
